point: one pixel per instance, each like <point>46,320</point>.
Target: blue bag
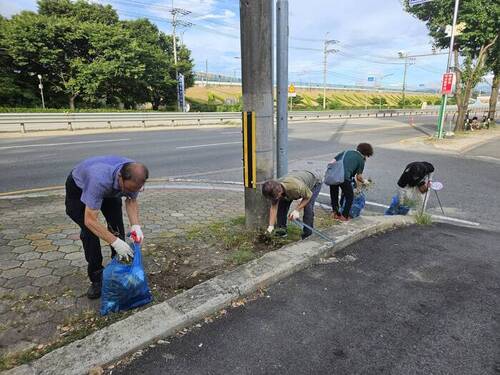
<point>395,208</point>
<point>358,203</point>
<point>335,172</point>
<point>124,286</point>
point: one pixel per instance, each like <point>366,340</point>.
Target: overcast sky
<point>370,34</point>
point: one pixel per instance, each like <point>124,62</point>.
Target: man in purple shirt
<point>98,184</point>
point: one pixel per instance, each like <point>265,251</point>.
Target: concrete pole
<point>256,28</point>
<point>404,79</point>
<point>282,78</point>
<point>324,74</point>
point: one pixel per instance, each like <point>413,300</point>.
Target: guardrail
<point>30,122</point>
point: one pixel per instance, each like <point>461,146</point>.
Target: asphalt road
<point>421,300</point>
<point>470,183</point>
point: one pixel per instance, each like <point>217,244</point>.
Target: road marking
<point>208,145</point>
<point>231,132</point>
<point>63,143</point>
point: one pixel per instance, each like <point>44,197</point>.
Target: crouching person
<point>303,185</point>
<point>414,182</point>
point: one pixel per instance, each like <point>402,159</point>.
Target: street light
<point>40,86</point>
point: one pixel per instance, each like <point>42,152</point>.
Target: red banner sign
<point>446,87</point>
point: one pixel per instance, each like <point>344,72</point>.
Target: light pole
<point>40,86</point>
<point>326,51</point>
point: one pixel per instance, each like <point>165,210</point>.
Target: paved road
<point>415,301</point>
<point>470,183</point>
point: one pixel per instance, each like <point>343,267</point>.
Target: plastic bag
<point>124,286</point>
<point>358,202</point>
<point>395,208</point>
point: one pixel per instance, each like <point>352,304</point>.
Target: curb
<point>168,317</point>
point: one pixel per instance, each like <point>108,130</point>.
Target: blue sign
<point>417,2</point>
<point>181,92</point>
<point>371,79</point>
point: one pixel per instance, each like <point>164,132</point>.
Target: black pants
<point>284,206</point>
<point>112,211</point>
<point>348,193</point>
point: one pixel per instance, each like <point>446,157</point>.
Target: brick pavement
<point>42,266</point>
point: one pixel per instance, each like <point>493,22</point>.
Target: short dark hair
<point>136,172</point>
<point>365,149</point>
<point>271,190</point>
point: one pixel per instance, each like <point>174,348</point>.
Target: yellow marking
<point>245,149</point>
<point>37,190</point>
<point>254,151</point>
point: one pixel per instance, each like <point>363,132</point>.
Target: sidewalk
<point>43,277</point>
<point>459,144</point>
<point>43,271</point>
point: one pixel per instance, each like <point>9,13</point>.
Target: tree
<point>481,20</point>
<point>86,54</point>
<point>493,62</point>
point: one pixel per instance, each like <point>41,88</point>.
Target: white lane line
<point>63,143</point>
<point>208,145</point>
<point>231,132</point>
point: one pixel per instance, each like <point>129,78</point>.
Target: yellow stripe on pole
<point>245,150</point>
<point>254,151</point>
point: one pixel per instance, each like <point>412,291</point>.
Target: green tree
<point>493,62</point>
<point>481,19</point>
<point>85,53</point>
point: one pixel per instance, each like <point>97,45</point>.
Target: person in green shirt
<point>303,185</point>
<point>354,165</point>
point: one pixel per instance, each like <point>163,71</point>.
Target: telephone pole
<point>282,87</point>
<point>177,22</point>
<point>326,51</point>
<point>256,28</point>
<point>406,57</point>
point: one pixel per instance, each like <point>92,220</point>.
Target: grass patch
<point>423,219</point>
<point>244,254</point>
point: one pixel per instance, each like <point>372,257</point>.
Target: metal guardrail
<point>30,122</point>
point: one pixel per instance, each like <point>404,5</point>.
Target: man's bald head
<point>136,173</point>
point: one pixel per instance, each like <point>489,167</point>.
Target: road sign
<point>181,92</point>
<point>459,27</point>
<point>416,2</point>
<point>291,91</point>
<point>447,84</point>
<point>371,79</point>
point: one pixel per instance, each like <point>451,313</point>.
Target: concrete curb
<point>128,335</point>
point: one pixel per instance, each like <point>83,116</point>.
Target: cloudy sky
<point>369,33</point>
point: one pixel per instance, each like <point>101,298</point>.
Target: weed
<point>244,254</point>
<point>423,219</point>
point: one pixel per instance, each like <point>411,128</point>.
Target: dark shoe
<point>94,291</point>
<point>281,232</point>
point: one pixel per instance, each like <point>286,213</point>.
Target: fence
<point>31,122</point>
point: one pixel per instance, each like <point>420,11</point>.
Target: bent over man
<point>98,184</point>
<point>303,185</point>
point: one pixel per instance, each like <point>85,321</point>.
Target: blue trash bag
<point>124,286</point>
<point>395,208</point>
<point>358,203</point>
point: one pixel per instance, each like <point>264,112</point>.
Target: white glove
<point>136,233</point>
<point>294,215</point>
<point>270,229</point>
<point>122,249</point>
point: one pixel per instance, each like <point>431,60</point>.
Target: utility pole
<point>175,21</point>
<point>40,86</point>
<point>444,97</point>
<point>282,33</point>
<point>326,51</point>
<point>256,28</point>
<point>408,59</point>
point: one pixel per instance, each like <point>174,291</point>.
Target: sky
<point>370,34</point>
